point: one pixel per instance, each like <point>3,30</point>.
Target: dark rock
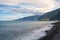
<point>51,34</point>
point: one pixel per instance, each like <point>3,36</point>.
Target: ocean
<point>24,30</point>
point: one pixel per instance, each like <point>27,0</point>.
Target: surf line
<point>35,34</point>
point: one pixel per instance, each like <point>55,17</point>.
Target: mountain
<point>50,16</point>
<point>30,18</point>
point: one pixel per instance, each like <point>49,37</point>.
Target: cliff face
<point>53,34</point>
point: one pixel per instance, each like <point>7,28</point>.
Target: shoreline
<point>51,34</point>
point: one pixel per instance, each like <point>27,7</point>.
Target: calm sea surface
<point>25,30</point>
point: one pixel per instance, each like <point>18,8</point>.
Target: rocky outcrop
<point>52,34</point>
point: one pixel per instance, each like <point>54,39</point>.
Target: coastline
<point>52,34</point>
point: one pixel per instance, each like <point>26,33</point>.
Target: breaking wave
<point>35,33</point>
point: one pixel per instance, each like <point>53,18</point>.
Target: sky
<point>15,9</point>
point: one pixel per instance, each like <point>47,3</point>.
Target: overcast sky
<point>14,9</point>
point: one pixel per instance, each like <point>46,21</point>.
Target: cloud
<point>13,17</point>
<point>11,12</point>
<point>57,3</point>
<point>9,18</point>
<point>43,5</point>
<point>23,8</point>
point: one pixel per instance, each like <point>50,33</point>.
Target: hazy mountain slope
<point>30,18</point>
<point>53,15</point>
<point>50,16</point>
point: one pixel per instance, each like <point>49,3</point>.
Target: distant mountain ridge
<point>30,18</point>
<point>50,16</point>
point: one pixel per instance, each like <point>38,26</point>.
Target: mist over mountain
<point>30,18</point>
<point>50,16</point>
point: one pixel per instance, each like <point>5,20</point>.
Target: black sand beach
<point>53,34</point>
